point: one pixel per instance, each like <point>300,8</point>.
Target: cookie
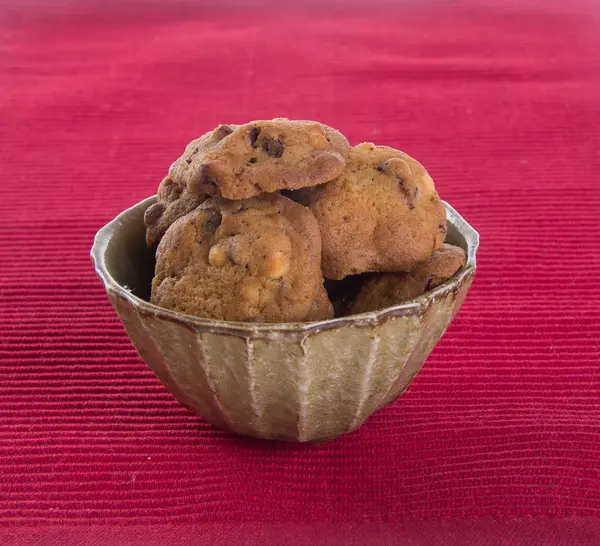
<point>262,157</point>
<point>322,308</point>
<point>443,264</point>
<point>173,198</point>
<point>173,202</point>
<point>382,214</point>
<point>387,289</point>
<point>250,260</point>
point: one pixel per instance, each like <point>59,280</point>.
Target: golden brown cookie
<point>173,199</point>
<point>261,157</point>
<point>387,289</point>
<point>251,260</point>
<point>382,214</point>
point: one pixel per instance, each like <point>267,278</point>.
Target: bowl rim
<point>412,307</point>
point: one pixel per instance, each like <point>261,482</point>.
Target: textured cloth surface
<point>501,102</point>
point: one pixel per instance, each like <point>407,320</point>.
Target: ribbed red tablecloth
<point>498,438</point>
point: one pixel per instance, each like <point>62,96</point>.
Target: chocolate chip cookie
<point>250,260</point>
<point>387,289</point>
<point>173,202</point>
<point>243,161</point>
<point>173,198</point>
<point>381,214</point>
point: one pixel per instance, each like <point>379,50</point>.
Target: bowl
<point>305,382</point>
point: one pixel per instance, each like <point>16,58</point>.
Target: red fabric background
<point>502,104</point>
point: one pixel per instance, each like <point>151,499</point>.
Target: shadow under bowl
<point>303,382</point>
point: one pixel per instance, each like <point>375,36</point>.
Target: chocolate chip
<point>203,181</point>
<point>254,132</point>
<point>382,167</point>
<point>443,228</point>
<point>222,131</point>
<point>273,147</point>
<point>406,193</point>
<point>212,222</point>
<point>252,160</point>
<point>153,213</point>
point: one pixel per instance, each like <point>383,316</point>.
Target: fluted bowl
<point>294,381</point>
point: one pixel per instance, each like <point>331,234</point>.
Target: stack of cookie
<point>251,219</point>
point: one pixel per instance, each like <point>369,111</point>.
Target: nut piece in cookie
<point>387,289</point>
<point>262,157</point>
<point>382,214</point>
<point>250,260</point>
